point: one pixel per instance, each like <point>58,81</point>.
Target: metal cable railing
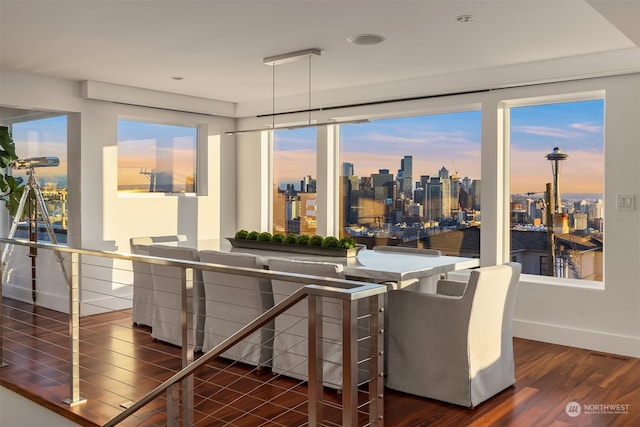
<point>223,385</point>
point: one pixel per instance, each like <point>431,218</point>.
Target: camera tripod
<point>39,206</point>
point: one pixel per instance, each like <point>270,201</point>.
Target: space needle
<point>555,157</point>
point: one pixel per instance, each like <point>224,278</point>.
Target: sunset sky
<point>453,141</point>
<point>43,138</point>
<point>449,140</point>
<point>157,147</point>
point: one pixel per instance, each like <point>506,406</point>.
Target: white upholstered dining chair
<point>167,317</point>
<point>232,302</point>
<point>143,293</point>
<point>456,345</point>
<point>290,343</point>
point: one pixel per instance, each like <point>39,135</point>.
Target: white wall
<point>17,411</point>
<point>606,318</point>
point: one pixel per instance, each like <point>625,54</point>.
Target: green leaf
<point>7,147</point>
<point>11,187</point>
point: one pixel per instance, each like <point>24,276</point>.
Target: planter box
<point>301,249</point>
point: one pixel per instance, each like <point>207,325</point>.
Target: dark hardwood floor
<point>120,362</point>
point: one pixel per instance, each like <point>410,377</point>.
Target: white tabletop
<point>380,267</point>
<point>385,266</point>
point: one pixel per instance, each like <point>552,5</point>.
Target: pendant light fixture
<point>274,61</point>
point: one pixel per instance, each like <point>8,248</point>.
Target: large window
<point>156,158</point>
<point>557,188</point>
<point>46,138</point>
<point>413,181</point>
<point>294,181</point>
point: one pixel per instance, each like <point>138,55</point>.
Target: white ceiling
<point>218,46</point>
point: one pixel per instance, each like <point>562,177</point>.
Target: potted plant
<point>11,188</point>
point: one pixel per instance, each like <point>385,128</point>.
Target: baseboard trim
<point>43,299</point>
<point>580,338</point>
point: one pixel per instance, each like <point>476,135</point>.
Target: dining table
<point>397,270</point>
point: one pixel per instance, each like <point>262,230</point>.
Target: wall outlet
<point>626,202</point>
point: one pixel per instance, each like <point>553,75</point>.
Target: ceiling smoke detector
<point>465,18</point>
<point>365,39</point>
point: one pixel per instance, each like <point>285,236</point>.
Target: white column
<point>327,203</point>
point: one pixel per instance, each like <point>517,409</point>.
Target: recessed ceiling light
<point>465,18</point>
<point>365,39</point>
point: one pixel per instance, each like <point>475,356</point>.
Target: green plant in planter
<point>241,234</point>
<point>347,243</point>
<point>278,238</point>
<point>315,240</point>
<point>302,239</point>
<point>329,242</point>
<point>291,238</point>
<point>265,236</point>
<point>11,188</point>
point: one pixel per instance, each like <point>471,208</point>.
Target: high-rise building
<point>308,185</point>
<point>347,169</point>
<point>475,194</point>
<point>438,199</point>
<point>581,206</point>
<point>306,208</point>
<point>580,221</point>
<point>383,185</point>
<point>424,180</point>
<point>466,184</point>
<point>418,195</point>
<point>443,173</point>
<point>596,210</point>
<point>406,165</point>
<point>456,187</point>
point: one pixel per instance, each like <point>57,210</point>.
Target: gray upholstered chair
<point>167,316</point>
<point>143,293</point>
<point>290,344</point>
<point>456,345</point>
<point>232,302</point>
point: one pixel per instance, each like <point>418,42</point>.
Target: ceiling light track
<point>175,110</point>
<point>291,57</point>
<point>370,103</point>
<point>302,126</point>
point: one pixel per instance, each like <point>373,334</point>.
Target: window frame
<point>273,186</point>
<point>200,138</point>
<point>504,142</point>
<point>495,159</point>
<point>40,172</point>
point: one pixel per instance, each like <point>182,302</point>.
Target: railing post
<point>173,407</point>
<point>316,360</point>
<point>376,365</point>
<point>188,344</point>
<point>74,332</point>
<point>349,363</point>
<point>2,362</point>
